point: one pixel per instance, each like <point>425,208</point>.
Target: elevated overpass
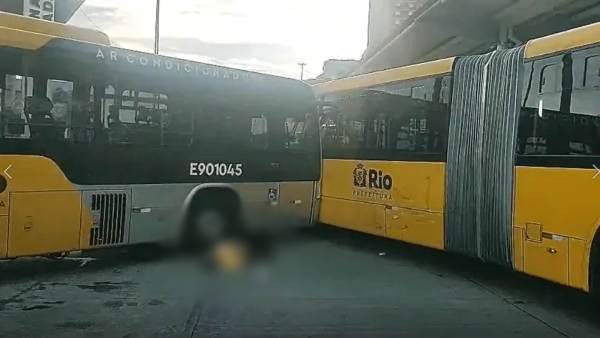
<point>443,28</point>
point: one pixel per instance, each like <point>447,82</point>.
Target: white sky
<point>270,36</point>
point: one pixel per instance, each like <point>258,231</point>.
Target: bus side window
<point>416,116</point>
<point>585,102</point>
<point>61,94</point>
<point>541,123</point>
<point>14,123</point>
<point>259,129</point>
<point>328,124</point>
<point>219,124</point>
<point>179,124</point>
<point>131,116</point>
<point>564,121</point>
<point>277,133</point>
<point>343,126</point>
<point>82,117</point>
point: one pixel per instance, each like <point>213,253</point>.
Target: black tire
<point>208,223</point>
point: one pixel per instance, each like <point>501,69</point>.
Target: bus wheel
<point>212,217</point>
<point>209,225</point>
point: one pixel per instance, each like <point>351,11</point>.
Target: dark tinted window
<point>561,118</point>
<point>118,111</point>
<point>255,127</point>
<point>36,108</point>
<point>404,121</point>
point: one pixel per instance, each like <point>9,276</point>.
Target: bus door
<point>301,166</point>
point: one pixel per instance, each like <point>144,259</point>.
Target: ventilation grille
<point>109,211</point>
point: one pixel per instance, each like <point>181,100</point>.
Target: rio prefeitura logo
<point>372,183</point>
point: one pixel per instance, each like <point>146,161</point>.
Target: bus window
<point>37,107</point>
<point>82,118</point>
<point>13,106</point>
<point>412,124</point>
<point>136,117</point>
<point>259,130</point>
<point>61,95</point>
<point>563,120</point>
<point>178,123</point>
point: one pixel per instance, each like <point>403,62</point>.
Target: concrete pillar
<point>506,38</point>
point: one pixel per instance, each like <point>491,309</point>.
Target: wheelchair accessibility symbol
<point>273,196</point>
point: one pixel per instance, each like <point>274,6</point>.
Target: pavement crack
<point>193,319</point>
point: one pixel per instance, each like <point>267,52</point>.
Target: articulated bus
<point>493,156</point>
<point>102,146</point>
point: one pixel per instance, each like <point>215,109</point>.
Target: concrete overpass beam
<point>524,10</point>
<point>468,29</point>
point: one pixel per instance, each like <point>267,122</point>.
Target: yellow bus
<point>493,156</point>
<point>102,146</point>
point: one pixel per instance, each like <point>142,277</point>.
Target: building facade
<point>52,10</point>
<point>386,15</point>
<point>335,69</point>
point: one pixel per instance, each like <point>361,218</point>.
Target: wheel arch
<point>592,256</point>
<point>200,190</point>
<point>592,259</point>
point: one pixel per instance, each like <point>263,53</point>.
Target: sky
<point>268,36</point>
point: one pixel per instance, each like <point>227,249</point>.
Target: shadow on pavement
<point>514,287</point>
<point>35,267</point>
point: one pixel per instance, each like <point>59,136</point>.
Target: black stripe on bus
<point>581,162</point>
<point>89,164</point>
<point>382,155</point>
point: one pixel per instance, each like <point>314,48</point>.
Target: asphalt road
<point>330,283</point>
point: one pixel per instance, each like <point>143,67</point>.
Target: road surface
<point>331,283</point>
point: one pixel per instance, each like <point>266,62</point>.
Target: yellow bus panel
<point>400,200</point>
<point>518,240</point>
<point>383,77</point>
<point>563,41</point>
<point>554,210</point>
<point>43,222</point>
<point>3,200</point>
<point>3,236</point>
<point>578,263</point>
<point>414,185</point>
<point>15,23</point>
<point>548,259</point>
<point>23,39</point>
<point>45,208</point>
<point>419,227</point>
<point>353,215</point>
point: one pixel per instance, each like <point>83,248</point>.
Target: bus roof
<point>160,72</point>
<point>181,71</point>
<point>571,39</point>
<point>438,67</point>
<point>29,33</point>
